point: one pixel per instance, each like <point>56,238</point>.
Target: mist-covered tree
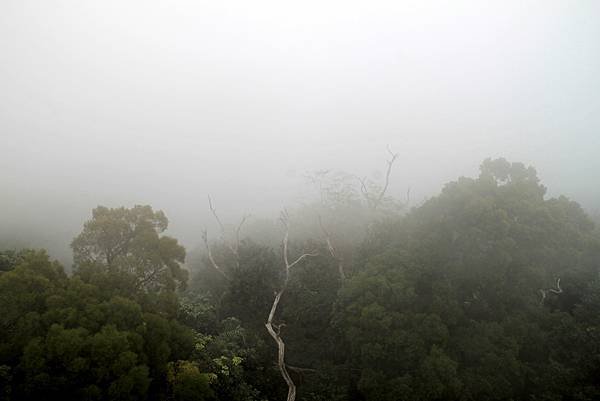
<point>129,241</point>
<point>450,302</point>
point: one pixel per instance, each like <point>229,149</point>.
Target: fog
<point>162,103</point>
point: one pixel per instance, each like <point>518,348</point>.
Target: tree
<point>451,292</point>
<point>130,241</point>
<point>274,329</point>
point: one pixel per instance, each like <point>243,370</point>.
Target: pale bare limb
<point>214,212</point>
<point>237,233</point>
<point>390,163</point>
<point>544,291</point>
<point>210,256</point>
<point>273,329</point>
<point>373,201</point>
<point>235,246</point>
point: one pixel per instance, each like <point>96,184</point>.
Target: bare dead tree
<point>210,255</point>
<point>233,246</point>
<point>273,329</point>
<point>333,251</point>
<point>374,200</point>
<point>544,291</point>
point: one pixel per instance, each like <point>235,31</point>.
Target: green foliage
<point>79,338</point>
<point>128,241</point>
<point>459,299</point>
<point>447,305</point>
<point>187,383</point>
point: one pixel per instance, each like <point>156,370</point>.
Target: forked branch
<point>374,200</point>
<point>233,246</point>
<point>544,291</point>
<point>273,329</point>
<point>210,255</point>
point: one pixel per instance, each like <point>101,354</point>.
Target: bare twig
<point>390,163</point>
<point>234,247</point>
<point>373,202</point>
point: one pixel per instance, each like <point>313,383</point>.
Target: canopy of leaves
<point>129,241</point>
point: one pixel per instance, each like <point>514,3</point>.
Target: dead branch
<point>390,163</point>
<point>273,329</point>
<point>374,201</point>
<point>365,191</point>
<point>332,251</point>
<point>300,370</point>
<point>544,291</point>
<point>210,256</point>
<point>234,247</point>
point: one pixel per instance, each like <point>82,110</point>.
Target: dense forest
<point>488,291</point>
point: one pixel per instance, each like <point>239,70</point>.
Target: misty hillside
<point>301,201</point>
<point>487,291</point>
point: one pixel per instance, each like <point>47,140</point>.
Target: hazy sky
<point>160,102</point>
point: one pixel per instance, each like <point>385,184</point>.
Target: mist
<point>145,102</point>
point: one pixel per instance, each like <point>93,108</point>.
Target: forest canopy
<point>488,291</point>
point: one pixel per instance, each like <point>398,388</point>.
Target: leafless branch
<point>273,329</point>
<point>300,370</point>
<point>373,201</point>
<point>544,291</point>
<point>210,256</point>
<point>214,212</point>
<point>332,251</point>
<point>390,163</point>
<point>232,246</point>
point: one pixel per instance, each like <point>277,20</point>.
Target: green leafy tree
<point>129,241</point>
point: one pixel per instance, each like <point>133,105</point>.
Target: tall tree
<point>130,241</point>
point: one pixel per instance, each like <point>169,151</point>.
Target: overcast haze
<point>127,102</point>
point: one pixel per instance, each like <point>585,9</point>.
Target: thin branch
<point>210,256</point>
<point>302,257</point>
<point>373,201</point>
<point>332,251</point>
<point>544,291</point>
<point>214,212</point>
<point>300,370</point>
<point>233,247</point>
<point>390,164</point>
<point>365,191</point>
<point>237,233</point>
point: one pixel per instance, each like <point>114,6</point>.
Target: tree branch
<point>275,330</point>
<point>210,256</point>
<point>333,251</point>
<point>235,246</point>
<point>544,291</point>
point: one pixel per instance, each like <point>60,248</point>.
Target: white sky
<point>161,102</point>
